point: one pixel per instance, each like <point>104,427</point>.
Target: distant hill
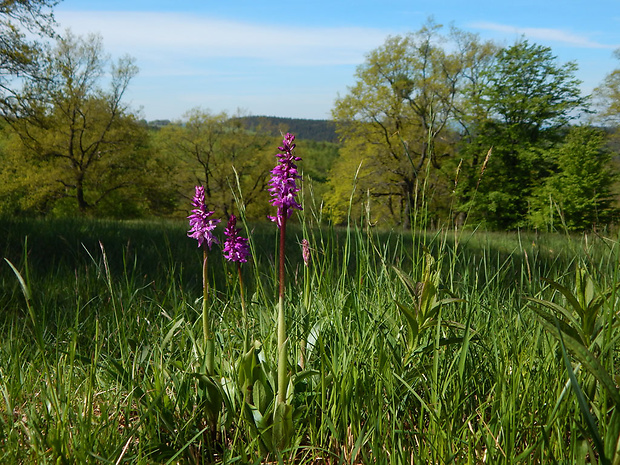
<point>307,129</point>
<point>318,130</point>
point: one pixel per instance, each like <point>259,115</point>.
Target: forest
<point>482,134</point>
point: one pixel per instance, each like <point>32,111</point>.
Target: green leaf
<point>260,425</point>
<point>587,359</point>
<point>591,363</point>
<point>262,395</point>
<point>612,438</point>
<point>170,333</point>
<point>412,325</point>
<point>548,322</point>
<point>465,347</point>
<point>583,404</point>
<point>212,394</point>
<point>557,309</point>
<point>411,287</point>
<point>572,300</point>
<point>282,425</point>
<point>428,296</point>
<point>22,282</point>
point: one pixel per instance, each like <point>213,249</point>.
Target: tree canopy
<point>395,119</point>
<point>577,195</point>
<point>428,107</point>
<point>530,100</point>
<point>77,136</point>
<point>607,96</point>
<point>438,123</point>
<point>217,152</point>
<point>19,54</point>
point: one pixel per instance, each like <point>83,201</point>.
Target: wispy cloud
<point>187,60</point>
<point>544,34</point>
<point>178,35</point>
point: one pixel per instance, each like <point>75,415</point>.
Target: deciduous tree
<point>578,194</point>
<point>19,54</point>
<point>214,150</point>
<point>395,121</point>
<point>79,139</point>
<point>530,99</point>
<point>607,96</point>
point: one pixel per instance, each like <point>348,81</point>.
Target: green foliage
<point>425,313</point>
<point>116,373</point>
<point>439,128</point>
<point>349,169</point>
<point>396,118</point>
<point>578,193</point>
<point>529,98</point>
<point>421,116</point>
<point>585,327</point>
<point>74,146</point>
<point>607,96</point>
<point>21,24</point>
<point>304,129</point>
<point>532,94</point>
<point>215,150</point>
<point>317,158</point>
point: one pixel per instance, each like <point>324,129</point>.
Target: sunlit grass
<point>116,375</point>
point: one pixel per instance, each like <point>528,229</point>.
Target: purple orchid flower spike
<point>236,248</point>
<point>283,189</point>
<point>284,181</point>
<point>201,224</point>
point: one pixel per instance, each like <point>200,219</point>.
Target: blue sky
<point>293,59</point>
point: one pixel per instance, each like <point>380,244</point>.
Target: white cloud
<point>179,35</point>
<point>192,60</point>
<point>546,34</point>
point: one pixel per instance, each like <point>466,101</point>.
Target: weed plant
<point>403,347</point>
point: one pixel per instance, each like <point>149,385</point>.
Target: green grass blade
<point>22,282</point>
<point>583,404</point>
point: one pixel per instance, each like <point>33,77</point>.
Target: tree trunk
<point>79,193</point>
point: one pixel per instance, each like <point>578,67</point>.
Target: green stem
<point>306,323</point>
<point>246,325</point>
<point>206,326</point>
<point>282,378</point>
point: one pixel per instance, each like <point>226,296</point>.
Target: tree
<point>529,100</point>
<point>214,150</point>
<point>471,112</point>
<point>607,96</point>
<point>19,55</point>
<point>395,121</point>
<point>79,140</point>
<point>580,188</point>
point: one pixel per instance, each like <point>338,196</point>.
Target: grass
<point>103,362</point>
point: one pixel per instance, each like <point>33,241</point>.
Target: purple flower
<point>236,248</point>
<point>284,181</point>
<point>201,225</point>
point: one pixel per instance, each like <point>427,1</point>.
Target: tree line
<point>437,120</point>
<point>481,133</point>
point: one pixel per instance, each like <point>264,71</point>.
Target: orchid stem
<point>246,336</point>
<point>206,326</point>
<point>282,359</point>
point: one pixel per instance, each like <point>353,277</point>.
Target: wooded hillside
<point>307,129</point>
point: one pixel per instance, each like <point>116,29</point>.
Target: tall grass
<point>101,363</point>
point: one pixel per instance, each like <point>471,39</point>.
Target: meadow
<point>403,347</point>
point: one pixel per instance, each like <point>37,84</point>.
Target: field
<point>445,347</point>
